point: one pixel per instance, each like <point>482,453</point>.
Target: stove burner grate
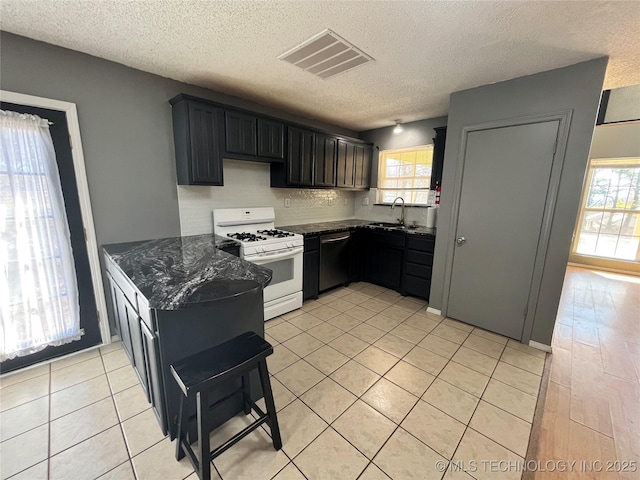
<point>276,233</point>
<point>247,237</point>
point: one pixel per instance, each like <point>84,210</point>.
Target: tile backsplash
<point>383,213</point>
<point>246,184</point>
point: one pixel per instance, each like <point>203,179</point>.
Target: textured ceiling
<point>424,50</point>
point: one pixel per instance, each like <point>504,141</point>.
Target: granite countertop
<point>325,227</point>
<point>182,272</point>
<point>340,225</point>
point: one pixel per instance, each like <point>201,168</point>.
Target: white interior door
<point>504,188</point>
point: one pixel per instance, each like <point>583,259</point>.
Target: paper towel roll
<point>431,217</point>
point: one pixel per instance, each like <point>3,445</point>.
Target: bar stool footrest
<point>237,437</point>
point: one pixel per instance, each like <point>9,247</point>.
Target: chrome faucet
<point>401,219</point>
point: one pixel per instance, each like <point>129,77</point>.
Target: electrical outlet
<point>331,202</point>
<point>287,202</point>
<point>365,201</point>
<point>346,202</point>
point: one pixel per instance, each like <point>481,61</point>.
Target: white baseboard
<point>540,346</point>
<point>434,311</point>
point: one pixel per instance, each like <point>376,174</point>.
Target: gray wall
<point>127,136</point>
<point>577,87</point>
<point>126,130</point>
<point>414,134</point>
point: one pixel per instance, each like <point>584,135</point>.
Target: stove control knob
<point>260,249</point>
<point>290,244</point>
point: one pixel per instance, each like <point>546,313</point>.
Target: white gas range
<point>262,244</point>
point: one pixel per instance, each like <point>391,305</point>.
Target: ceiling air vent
<point>325,55</point>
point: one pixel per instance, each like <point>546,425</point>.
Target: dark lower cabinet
<point>129,329</point>
<point>311,268</point>
<point>356,255</point>
<point>121,323</point>
<point>139,362</point>
<point>393,259</point>
<point>154,339</point>
<point>154,377</point>
<point>416,280</point>
<point>384,252</point>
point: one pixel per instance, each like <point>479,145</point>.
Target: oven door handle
<point>278,256</point>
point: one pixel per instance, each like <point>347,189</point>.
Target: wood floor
<point>592,408</point>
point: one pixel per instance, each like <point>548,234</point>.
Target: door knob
<point>461,240</point>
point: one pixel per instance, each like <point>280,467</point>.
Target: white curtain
<point>38,287</point>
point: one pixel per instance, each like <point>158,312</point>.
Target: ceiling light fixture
<point>398,128</point>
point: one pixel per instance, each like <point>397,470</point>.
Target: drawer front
<point>418,270</point>
<point>421,258</point>
<point>421,242</point>
<point>393,239</point>
<point>417,286</point>
<point>311,243</point>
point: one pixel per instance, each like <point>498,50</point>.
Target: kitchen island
<point>174,297</point>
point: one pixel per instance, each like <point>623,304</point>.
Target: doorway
<point>508,183</point>
<point>89,322</point>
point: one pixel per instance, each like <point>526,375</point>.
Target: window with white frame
<point>405,173</point>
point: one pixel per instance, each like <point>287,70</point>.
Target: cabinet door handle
<point>461,240</point>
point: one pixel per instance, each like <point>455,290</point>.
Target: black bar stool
<point>198,374</point>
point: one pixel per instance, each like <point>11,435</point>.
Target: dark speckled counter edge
<point>321,228</point>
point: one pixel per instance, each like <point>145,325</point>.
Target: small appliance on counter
<point>261,243</point>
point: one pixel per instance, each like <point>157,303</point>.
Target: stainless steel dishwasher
<point>334,260</point>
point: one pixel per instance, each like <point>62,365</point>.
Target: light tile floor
<point>367,383</point>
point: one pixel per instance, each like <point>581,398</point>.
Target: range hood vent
<point>325,55</point>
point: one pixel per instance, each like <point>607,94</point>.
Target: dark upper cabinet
<point>362,167</point>
<point>240,133</point>
<point>345,164</point>
<point>320,160</point>
<point>326,149</point>
<point>438,156</point>
<point>206,132</point>
<point>300,157</point>
<point>196,128</point>
<point>270,139</point>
